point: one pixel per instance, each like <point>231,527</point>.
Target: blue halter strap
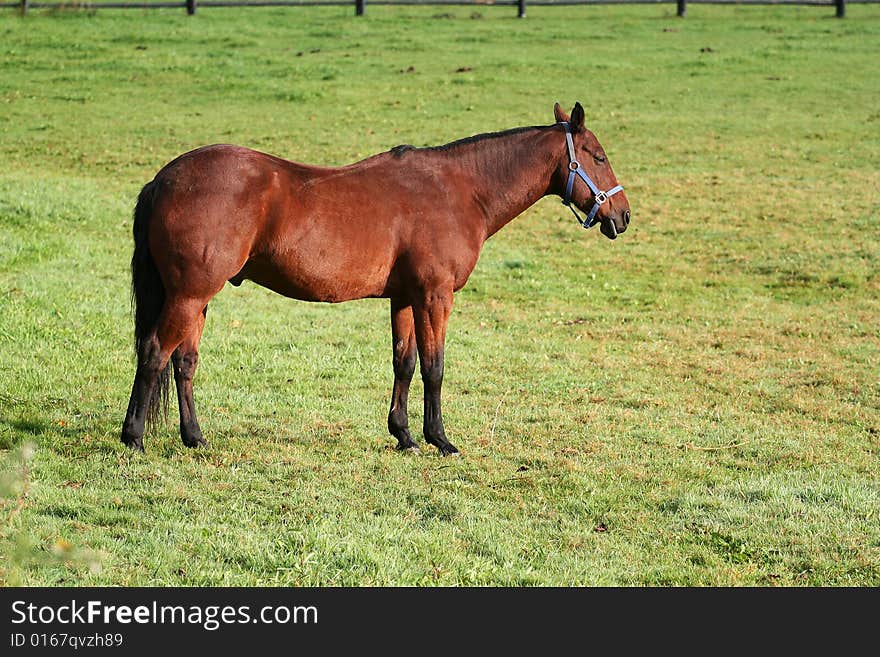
<point>574,169</point>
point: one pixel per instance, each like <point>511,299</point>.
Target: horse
<point>407,225</point>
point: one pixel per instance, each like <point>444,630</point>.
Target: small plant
<point>17,549</point>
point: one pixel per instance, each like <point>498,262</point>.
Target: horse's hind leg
<point>150,367</point>
<point>404,342</point>
<point>178,319</point>
<point>185,360</point>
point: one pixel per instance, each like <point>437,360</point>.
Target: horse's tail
<point>147,299</point>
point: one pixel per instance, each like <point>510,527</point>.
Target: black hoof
<point>134,443</point>
<point>446,448</point>
<point>194,439</point>
<point>406,444</point>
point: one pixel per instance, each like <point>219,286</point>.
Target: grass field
<point>697,403</point>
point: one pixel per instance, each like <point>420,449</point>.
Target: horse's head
<point>586,178</point>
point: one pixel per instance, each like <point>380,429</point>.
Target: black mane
<point>399,151</point>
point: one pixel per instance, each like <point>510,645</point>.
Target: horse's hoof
<point>405,443</point>
<point>134,444</point>
<point>191,435</point>
<point>446,448</point>
<point>193,443</point>
<point>407,446</point>
<point>132,439</point>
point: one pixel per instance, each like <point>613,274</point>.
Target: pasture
<point>696,403</point>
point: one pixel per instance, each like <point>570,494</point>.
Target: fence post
<point>841,8</point>
<point>359,7</point>
<point>682,8</point>
<point>24,6</point>
<point>521,13</point>
<point>190,7</point>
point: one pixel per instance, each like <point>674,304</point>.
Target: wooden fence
<point>360,5</point>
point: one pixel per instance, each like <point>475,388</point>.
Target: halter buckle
<point>601,197</point>
<point>573,165</point>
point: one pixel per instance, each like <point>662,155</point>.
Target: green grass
<point>693,404</point>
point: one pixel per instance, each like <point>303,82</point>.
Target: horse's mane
<point>399,151</point>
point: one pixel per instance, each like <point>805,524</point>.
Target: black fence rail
<point>360,5</point>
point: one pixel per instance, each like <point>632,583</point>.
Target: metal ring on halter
<point>573,165</point>
<point>601,197</point>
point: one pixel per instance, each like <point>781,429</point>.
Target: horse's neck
<point>512,173</point>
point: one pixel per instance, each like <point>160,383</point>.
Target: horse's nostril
<point>626,217</point>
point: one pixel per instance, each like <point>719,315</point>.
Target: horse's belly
<point>318,282</point>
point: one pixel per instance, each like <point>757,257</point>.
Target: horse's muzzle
<point>612,226</point>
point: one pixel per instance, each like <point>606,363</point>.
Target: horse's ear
<point>577,117</point>
<point>559,113</point>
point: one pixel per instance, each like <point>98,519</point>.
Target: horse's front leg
<point>431,315</point>
<point>404,343</point>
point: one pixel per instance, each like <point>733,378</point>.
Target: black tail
<point>147,299</point>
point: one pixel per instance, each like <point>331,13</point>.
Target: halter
<point>574,169</point>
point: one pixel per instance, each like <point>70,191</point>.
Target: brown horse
<point>407,225</point>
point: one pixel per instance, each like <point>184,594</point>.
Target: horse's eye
<point>599,158</point>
